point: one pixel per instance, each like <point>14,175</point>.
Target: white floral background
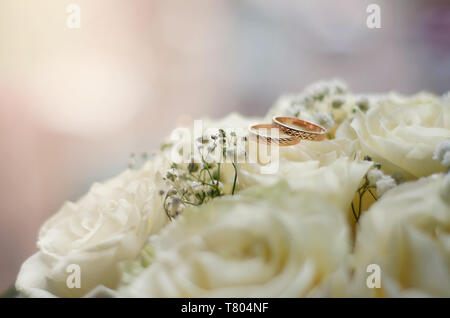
<point>74,104</point>
<point>376,191</point>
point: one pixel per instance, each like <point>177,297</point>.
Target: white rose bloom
<point>407,233</point>
<point>108,225</point>
<point>401,133</point>
<point>337,182</point>
<point>325,167</point>
<point>263,243</point>
<point>322,167</point>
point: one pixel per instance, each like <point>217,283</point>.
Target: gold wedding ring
<point>290,131</point>
<point>300,129</point>
<point>282,139</point>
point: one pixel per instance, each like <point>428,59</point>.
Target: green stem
<point>354,213</point>
<point>207,168</point>
<point>195,177</point>
<point>187,202</point>
<point>165,207</point>
<point>235,178</point>
<point>366,183</point>
<point>373,195</point>
<point>360,203</point>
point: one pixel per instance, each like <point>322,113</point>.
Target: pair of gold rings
<point>290,131</point>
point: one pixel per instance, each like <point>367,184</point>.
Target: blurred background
<point>75,103</point>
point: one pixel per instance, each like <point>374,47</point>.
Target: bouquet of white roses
<point>364,212</point>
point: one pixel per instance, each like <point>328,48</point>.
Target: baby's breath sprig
<point>375,181</point>
<point>331,94</point>
<point>230,151</point>
<point>362,103</point>
<point>442,153</point>
<point>367,186</point>
<point>199,181</point>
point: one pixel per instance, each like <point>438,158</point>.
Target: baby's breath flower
<point>375,178</point>
<point>230,152</point>
<point>338,87</point>
<point>172,191</point>
<point>171,175</point>
<point>199,181</point>
<point>337,102</point>
<point>175,206</point>
<point>218,183</point>
<point>384,184</point>
<point>295,110</point>
<point>398,177</point>
<point>363,103</point>
<point>193,167</point>
<point>442,153</point>
<point>312,100</point>
<point>374,175</point>
<point>324,120</point>
<point>198,188</point>
<point>322,88</point>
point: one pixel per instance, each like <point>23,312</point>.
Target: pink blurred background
<point>75,103</point>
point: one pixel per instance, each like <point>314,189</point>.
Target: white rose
<point>265,242</point>
<point>407,233</point>
<point>108,225</point>
<point>304,165</point>
<point>325,168</point>
<point>401,133</point>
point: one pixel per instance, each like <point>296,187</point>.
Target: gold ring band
<point>282,141</point>
<point>298,128</point>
